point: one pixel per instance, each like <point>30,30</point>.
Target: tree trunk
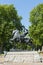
<point>1,48</point>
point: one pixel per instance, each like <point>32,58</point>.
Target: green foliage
<point>18,45</point>
<point>9,20</point>
<point>29,47</point>
<point>36,28</point>
<point>22,46</point>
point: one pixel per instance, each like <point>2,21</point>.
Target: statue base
<point>23,56</point>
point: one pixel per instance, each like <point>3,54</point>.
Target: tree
<point>36,28</point>
<point>9,20</point>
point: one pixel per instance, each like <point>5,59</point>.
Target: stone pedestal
<point>24,56</point>
<point>42,48</point>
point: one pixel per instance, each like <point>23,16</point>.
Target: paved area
<point>22,64</point>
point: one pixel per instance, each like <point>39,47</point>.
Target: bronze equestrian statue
<point>17,37</point>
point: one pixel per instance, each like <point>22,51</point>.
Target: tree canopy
<point>36,28</point>
<point>9,20</point>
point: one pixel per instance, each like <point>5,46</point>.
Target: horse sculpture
<point>17,37</point>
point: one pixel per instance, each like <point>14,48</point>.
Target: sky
<point>23,8</point>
